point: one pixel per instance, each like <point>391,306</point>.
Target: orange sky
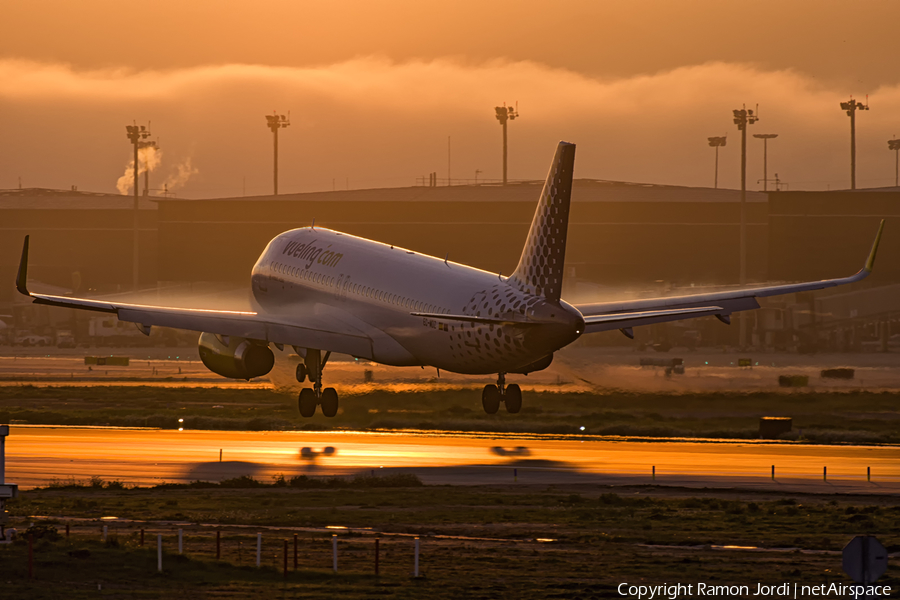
<point>374,89</point>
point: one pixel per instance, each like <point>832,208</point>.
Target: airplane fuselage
<point>309,269</point>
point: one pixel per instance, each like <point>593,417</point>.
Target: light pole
<point>505,113</point>
<point>136,134</point>
<point>851,107</point>
<point>765,137</point>
<point>716,142</point>
<point>743,118</point>
<point>276,122</point>
<point>895,146</point>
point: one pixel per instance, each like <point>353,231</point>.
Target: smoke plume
<point>181,175</point>
<point>149,157</point>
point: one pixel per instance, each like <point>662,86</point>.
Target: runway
<point>36,455</point>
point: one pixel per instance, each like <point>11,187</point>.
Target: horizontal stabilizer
<point>474,319</point>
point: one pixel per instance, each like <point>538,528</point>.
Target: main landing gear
<point>311,367</point>
<point>510,395</point>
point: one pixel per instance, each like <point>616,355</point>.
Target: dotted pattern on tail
<point>473,344</point>
<point>540,269</point>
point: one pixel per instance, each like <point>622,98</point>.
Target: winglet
<point>870,262</point>
<point>22,277</point>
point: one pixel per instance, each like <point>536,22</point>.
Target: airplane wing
<point>322,328</point>
<point>605,316</point>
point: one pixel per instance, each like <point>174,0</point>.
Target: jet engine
<point>234,357</point>
<point>538,365</point>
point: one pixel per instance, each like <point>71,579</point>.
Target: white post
<point>334,552</point>
<point>416,567</point>
<point>104,533</point>
<point>180,541</point>
<point>258,549</point>
<point>159,552</point>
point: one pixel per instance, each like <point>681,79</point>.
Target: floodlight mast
<point>276,122</point>
<point>505,113</point>
<point>136,134</point>
<point>851,107</point>
<point>894,145</point>
<point>765,137</point>
<point>716,142</point>
<point>743,118</point>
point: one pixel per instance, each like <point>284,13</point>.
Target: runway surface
<point>36,455</point>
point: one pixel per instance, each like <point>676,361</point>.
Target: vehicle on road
<point>31,339</point>
<point>65,338</point>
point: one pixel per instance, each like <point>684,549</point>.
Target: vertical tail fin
<point>540,269</point>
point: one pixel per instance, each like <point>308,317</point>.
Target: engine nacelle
<point>234,357</point>
<point>538,365</point>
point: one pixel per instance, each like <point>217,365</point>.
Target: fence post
<point>654,472</point>
<point>416,564</point>
<point>67,530</point>
<point>773,472</point>
<point>868,473</point>
<point>258,549</point>
<point>334,551</point>
<point>181,541</point>
<point>159,552</point>
<point>218,544</point>
<point>285,559</point>
<point>295,551</point>
<point>824,473</point>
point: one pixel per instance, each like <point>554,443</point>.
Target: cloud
<point>380,123</point>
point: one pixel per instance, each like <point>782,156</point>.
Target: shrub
<point>42,531</point>
<point>244,481</point>
<point>611,499</point>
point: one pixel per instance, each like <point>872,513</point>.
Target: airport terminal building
<point>623,237</point>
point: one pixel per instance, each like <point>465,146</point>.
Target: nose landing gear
<point>510,395</point>
<point>312,366</point>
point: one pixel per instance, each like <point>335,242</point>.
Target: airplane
<point>322,291</point>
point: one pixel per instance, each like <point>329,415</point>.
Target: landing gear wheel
<point>329,402</point>
<point>490,399</point>
<point>513,398</point>
<point>307,402</point>
<point>301,372</point>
